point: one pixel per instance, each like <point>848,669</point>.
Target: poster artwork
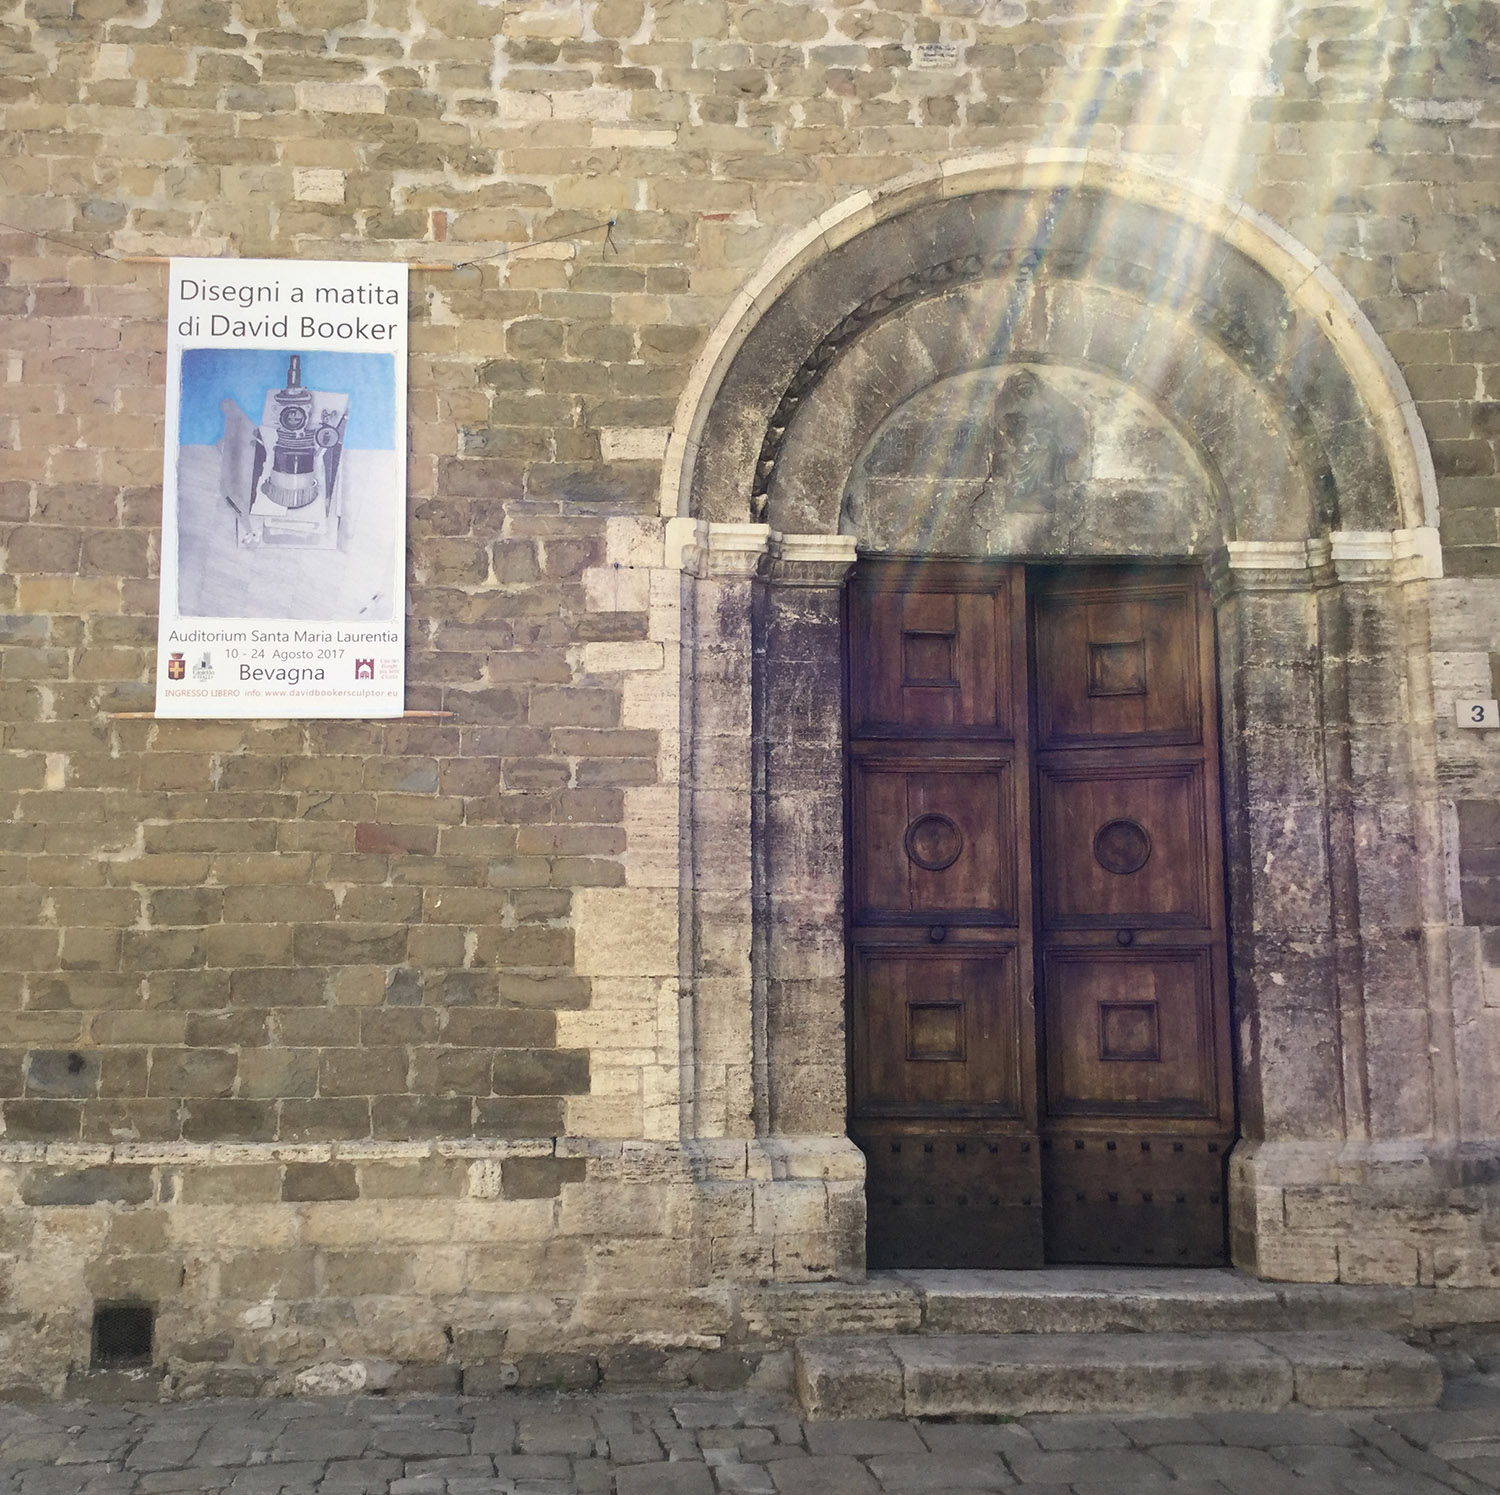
<point>284,490</point>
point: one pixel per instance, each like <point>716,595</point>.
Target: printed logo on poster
<point>284,513</point>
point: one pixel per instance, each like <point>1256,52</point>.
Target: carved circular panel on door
<point>1122,847</point>
<point>933,842</point>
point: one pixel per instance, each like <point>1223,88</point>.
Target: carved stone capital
<point>724,550</point>
<point>1269,566</point>
<point>811,560</point>
<point>1387,555</point>
<point>756,550</point>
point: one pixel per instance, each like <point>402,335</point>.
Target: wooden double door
<point>1040,1049</point>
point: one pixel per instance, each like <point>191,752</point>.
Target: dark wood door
<point>1132,967</point>
<point>1039,1014</point>
<point>943,1028</point>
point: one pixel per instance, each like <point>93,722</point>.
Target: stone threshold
<point>1010,1375</point>
<point>1103,1300</point>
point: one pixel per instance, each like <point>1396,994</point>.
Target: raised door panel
<point>931,662</point>
<point>1124,845</point>
<point>934,840</point>
<point>1130,1033</point>
<point>938,1033</point>
<point>1120,664</point>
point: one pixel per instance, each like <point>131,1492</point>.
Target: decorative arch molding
<point>1306,491</point>
<point>732,417</point>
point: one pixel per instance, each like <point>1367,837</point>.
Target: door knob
<point>1124,936</point>
<point>937,934</point>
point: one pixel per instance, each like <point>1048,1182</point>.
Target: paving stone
<point>1274,1429</point>
<point>940,1471</point>
<point>419,1443</point>
<point>1332,1464</point>
<point>359,1477</point>
<point>664,1479</point>
<point>458,1467</point>
<point>976,1437</point>
<point>834,1475</point>
<point>1079,1466</point>
<point>633,1448</point>
<point>1145,1432</point>
<point>1485,1470</point>
<point>1075,1432</point>
<point>563,1433</point>
<point>862,1437</point>
<point>522,1466</point>
<point>744,1479</point>
<point>1243,1470</point>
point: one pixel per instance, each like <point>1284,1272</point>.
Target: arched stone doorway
<point>1204,393</point>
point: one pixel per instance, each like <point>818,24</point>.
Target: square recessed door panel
<point>937,1033</point>
<point>1123,846</point>
<point>1130,1033</point>
<point>934,842</point>
<point>939,662</point>
<point>1117,665</point>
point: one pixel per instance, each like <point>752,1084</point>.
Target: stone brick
<point>86,1186</point>
<point>317,1181</point>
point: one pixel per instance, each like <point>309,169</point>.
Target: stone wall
<point>318,944</point>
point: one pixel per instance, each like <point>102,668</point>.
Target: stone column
<point>719,597</point>
<point>762,900</point>
<point>1348,1079</point>
<point>800,862</point>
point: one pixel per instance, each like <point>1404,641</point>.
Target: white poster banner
<point>283,536</point>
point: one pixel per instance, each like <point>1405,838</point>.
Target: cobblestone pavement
<point>696,1444</point>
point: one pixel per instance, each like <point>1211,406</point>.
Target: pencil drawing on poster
<point>288,489</point>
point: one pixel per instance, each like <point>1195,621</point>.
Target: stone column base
<point>1405,1214</point>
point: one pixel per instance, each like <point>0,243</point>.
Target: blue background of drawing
<point>210,375</point>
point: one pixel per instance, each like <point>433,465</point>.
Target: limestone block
<point>613,1210</point>
<point>664,601</point>
<point>1284,1258</point>
<point>1370,1260</point>
<point>356,1223</point>
<point>791,1208</point>
<point>626,1038</point>
<point>621,1266</point>
<point>550,1266</point>
<point>841,1378</point>
<point>617,589</point>
<point>483,1222</point>
<point>341,98</point>
<point>634,444</point>
<point>609,657</point>
<point>1400,1085</point>
<point>625,931</point>
<point>661,1101</point>
<point>1357,1368</point>
<point>721,1021</point>
<point>613,1115</point>
<point>209,1227</point>
<point>649,700</point>
<point>439,1271</point>
<point>653,835</point>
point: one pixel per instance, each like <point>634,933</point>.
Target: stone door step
<point>1164,1300</point>
<point>977,1375</point>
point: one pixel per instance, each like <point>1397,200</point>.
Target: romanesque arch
<point>1045,358</point>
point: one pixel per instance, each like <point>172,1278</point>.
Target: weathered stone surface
<point>1356,1368</point>
<point>594,901</point>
